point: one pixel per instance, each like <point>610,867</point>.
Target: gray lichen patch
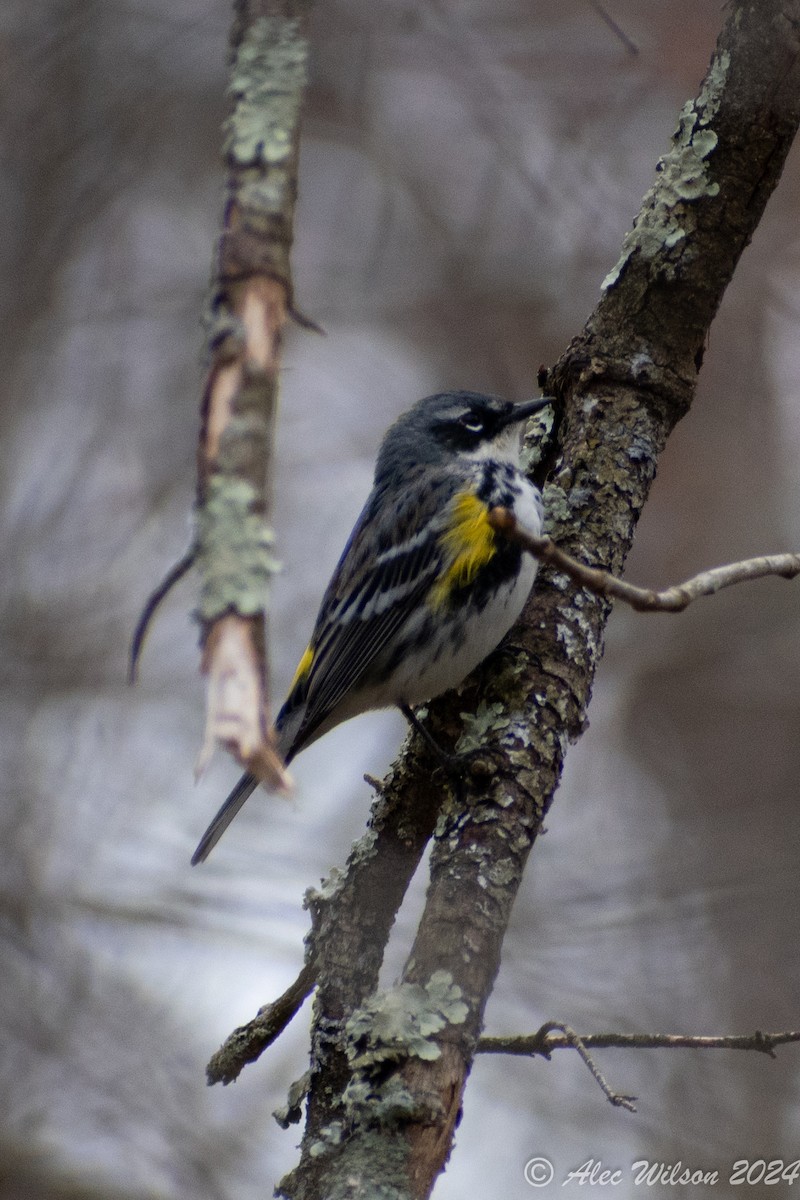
<point>389,1102</point>
<point>537,439</point>
<point>234,550</point>
<point>374,1166</point>
<point>557,507</point>
<point>487,719</point>
<point>667,216</point>
<point>267,82</point>
<point>710,97</point>
<point>330,887</point>
<point>389,1029</point>
<point>329,1137</point>
<point>398,1024</point>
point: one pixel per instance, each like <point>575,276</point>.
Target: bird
<point>425,587</point>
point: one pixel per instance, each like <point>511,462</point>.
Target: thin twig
<point>175,573</point>
<point>576,1042</point>
<point>672,599</point>
<point>555,1036</point>
<point>627,42</point>
<point>543,1041</point>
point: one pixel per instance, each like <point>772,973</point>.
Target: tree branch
<point>672,599</point>
<point>251,295</point>
<point>249,1041</point>
<point>554,1036</point>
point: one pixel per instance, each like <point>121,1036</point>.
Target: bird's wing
<point>381,578</point>
<point>368,599</point>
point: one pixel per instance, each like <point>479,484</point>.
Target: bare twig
<point>627,42</point>
<point>545,1040</point>
<point>172,577</point>
<point>576,1042</point>
<point>672,599</point>
<point>555,1036</point>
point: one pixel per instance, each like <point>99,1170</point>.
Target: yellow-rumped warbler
<point>425,588</point>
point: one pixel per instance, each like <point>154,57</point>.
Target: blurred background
<point>468,172</point>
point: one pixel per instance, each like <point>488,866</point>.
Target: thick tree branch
<point>251,295</point>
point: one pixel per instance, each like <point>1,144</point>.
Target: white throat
<point>506,447</point>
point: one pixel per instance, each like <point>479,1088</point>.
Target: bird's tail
<point>286,727</point>
<point>243,790</point>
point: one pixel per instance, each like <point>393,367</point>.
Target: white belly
<point>448,665</point>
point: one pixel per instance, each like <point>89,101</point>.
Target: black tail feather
<point>243,790</point>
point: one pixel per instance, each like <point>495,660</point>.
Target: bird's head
<point>467,424</point>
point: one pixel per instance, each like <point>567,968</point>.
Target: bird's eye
<point>470,422</point>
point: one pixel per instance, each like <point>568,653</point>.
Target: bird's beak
<point>521,412</point>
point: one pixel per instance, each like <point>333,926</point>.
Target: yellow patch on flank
<point>303,667</point>
<point>468,542</point>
